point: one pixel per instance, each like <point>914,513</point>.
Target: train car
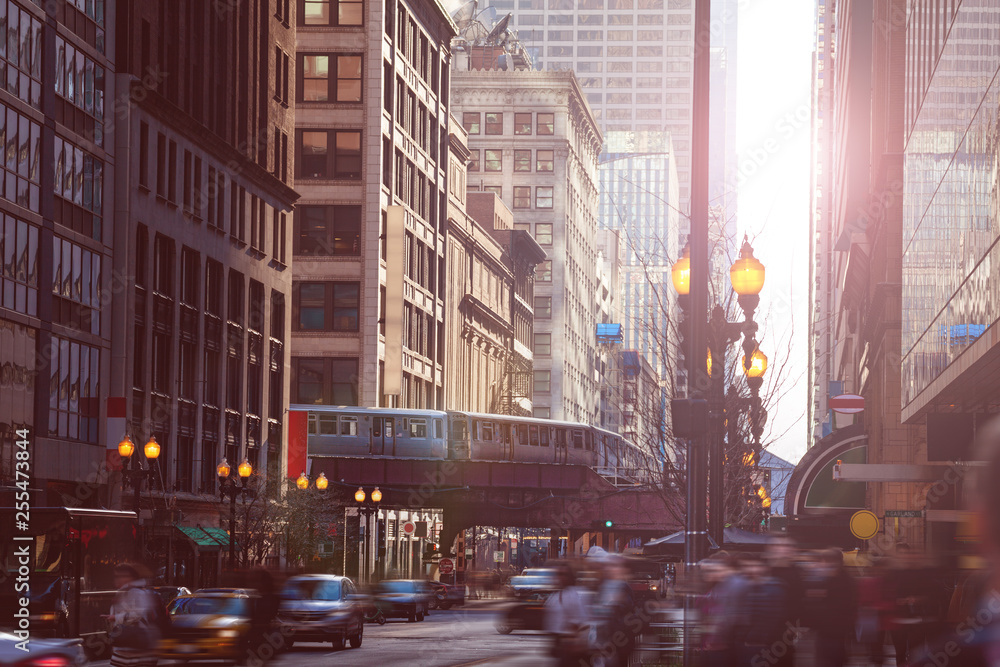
<point>356,431</point>
<point>488,437</point>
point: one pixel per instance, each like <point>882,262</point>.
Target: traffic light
<point>689,417</point>
<point>608,523</point>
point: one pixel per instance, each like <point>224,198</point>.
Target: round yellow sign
<point>864,525</point>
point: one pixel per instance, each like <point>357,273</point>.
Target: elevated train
<point>406,433</point>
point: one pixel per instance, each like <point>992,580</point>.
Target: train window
<point>348,426</point>
<point>458,429</point>
<point>438,429</point>
<point>544,436</point>
<point>328,424</point>
<point>418,428</point>
<point>389,423</point>
<point>487,431</point>
<point>377,427</point>
<point>312,424</point>
<point>522,434</point>
<point>534,435</point>
<point>560,437</point>
<point>577,439</point>
<point>505,431</point>
<point>590,440</point>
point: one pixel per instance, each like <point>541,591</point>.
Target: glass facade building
<point>951,219</point>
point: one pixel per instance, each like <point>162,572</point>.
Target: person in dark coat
<point>780,557</point>
<point>975,640</point>
<point>834,599</point>
<point>762,610</point>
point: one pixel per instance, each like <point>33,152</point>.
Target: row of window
<point>493,160</point>
<point>589,66</point>
<point>571,5</point>
<point>617,51</point>
<point>324,381</point>
<point>74,390</point>
<point>79,176</point>
<point>522,195</point>
<point>598,19</point>
<point>80,81</point>
<point>21,141</point>
<point>492,123</point>
<point>76,284</point>
<point>598,35</point>
<point>348,425</point>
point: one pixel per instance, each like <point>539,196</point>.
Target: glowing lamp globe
<point>152,449</point>
<point>761,492</point>
<point>302,482</point>
<point>377,495</point>
<point>126,447</point>
<point>757,364</point>
<point>359,495</point>
<point>245,469</point>
<point>766,503</point>
<point>223,469</point>
<point>747,273</point>
<point>322,482</point>
<point>680,274</point>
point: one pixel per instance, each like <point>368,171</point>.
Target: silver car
<point>321,608</point>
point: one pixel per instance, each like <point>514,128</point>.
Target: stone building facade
<point>534,143</point>
<point>371,132</point>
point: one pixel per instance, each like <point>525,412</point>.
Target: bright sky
<point>773,144</point>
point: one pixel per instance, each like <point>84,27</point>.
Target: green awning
<point>210,538</point>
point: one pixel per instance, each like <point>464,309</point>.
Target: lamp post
<point>229,486</point>
<point>367,510</point>
<point>302,484</point>
<point>747,277</point>
<point>133,472</point>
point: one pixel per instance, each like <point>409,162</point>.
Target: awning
<point>206,539</point>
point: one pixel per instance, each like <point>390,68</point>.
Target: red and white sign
<point>446,566</point>
<point>408,528</point>
<point>847,404</point>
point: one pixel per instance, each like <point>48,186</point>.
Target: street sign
<point>864,525</point>
<point>847,404</point>
<point>446,566</point>
<point>497,556</point>
<point>904,514</point>
<point>409,527</point>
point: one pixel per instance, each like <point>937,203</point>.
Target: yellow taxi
<point>209,624</point>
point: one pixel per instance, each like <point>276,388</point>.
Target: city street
<point>444,639</point>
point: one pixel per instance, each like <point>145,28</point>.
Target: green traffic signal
<point>609,523</point>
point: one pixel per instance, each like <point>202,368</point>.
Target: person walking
<point>135,633</point>
<point>567,621</point>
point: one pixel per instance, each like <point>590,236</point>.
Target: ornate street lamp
<point>229,486</point>
<point>367,510</point>
<point>133,472</point>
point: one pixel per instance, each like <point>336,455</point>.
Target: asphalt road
<point>450,638</point>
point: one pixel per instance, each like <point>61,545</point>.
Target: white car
<point>48,652</point>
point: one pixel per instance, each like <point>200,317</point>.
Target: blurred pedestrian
<point>567,621</point>
<point>780,557</point>
<point>975,640</point>
<point>766,637</point>
<point>913,613</point>
<point>135,633</point>
<point>720,610</point>
<point>832,595</point>
<point>873,608</point>
<point>616,613</point>
<point>263,619</point>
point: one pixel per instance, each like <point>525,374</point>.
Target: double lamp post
<point>704,415</point>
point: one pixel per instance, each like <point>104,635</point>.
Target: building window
<point>19,270</point>
<point>543,380</point>
<point>543,233</point>
<point>21,59</point>
<point>543,307</point>
<point>522,196</point>
<point>316,160</point>
<point>543,196</point>
<point>474,160</point>
<point>493,160</point>
<point>522,160</point>
<point>543,345</point>
<point>332,381</point>
<point>495,189</point>
<point>470,121</point>
<point>522,123</point>
<point>328,231</point>
<point>494,123</point>
<point>543,273</point>
<point>330,12</point>
<point>543,160</point>
<point>327,78</point>
<point>76,282</point>
<point>78,182</point>
<point>74,390</point>
<point>545,123</point>
<point>541,412</point>
<point>326,306</point>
